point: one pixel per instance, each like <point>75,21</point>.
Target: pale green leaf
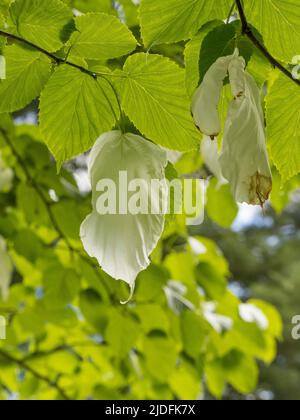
<point>283,126</point>
<point>279,23</point>
<point>153,96</point>
<point>101,36</point>
<point>185,382</point>
<point>6,270</point>
<point>160,357</point>
<point>46,23</point>
<point>27,73</point>
<point>220,205</point>
<point>175,20</point>
<point>61,286</point>
<point>75,109</point>
<point>121,333</point>
<point>241,372</point>
<point>192,56</point>
<point>221,41</point>
<point>275,322</point>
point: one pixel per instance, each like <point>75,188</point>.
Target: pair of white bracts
<point>244,160</point>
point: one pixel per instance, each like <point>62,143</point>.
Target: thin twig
<point>230,13</point>
<point>53,57</point>
<point>64,61</point>
<point>22,364</point>
<point>246,29</point>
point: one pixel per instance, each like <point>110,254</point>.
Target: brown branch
<point>22,364</point>
<point>248,32</point>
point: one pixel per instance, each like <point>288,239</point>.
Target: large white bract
<point>122,243</point>
<point>244,160</point>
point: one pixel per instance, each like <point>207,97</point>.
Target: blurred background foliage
<point>183,335</point>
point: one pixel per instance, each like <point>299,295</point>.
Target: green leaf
<point>241,372</point>
<point>274,318</point>
<point>75,109</point>
<point>212,281</point>
<point>121,333</point>
<point>152,317</point>
<point>27,73</point>
<point>61,286</point>
<point>101,36</point>
<point>215,378</point>
<point>185,382</point>
<point>283,126</point>
<point>175,20</point>
<point>46,23</point>
<point>220,42</point>
<point>28,245</point>
<point>281,193</point>
<point>194,333</point>
<point>94,310</point>
<point>85,6</point>
<point>259,67</point>
<point>192,56</point>
<point>6,270</point>
<point>153,96</point>
<point>279,23</point>
<point>220,205</point>
<point>32,206</point>
<point>70,225</point>
<point>160,354</point>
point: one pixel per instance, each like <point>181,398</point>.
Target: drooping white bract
<point>244,158</point>
<point>252,314</point>
<point>210,154</point>
<point>207,97</point>
<point>6,269</point>
<point>122,243</point>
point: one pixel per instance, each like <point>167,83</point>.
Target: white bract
<point>244,160</point>
<point>210,154</point>
<point>122,243</point>
<point>6,270</point>
<point>207,97</point>
<point>252,314</point>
